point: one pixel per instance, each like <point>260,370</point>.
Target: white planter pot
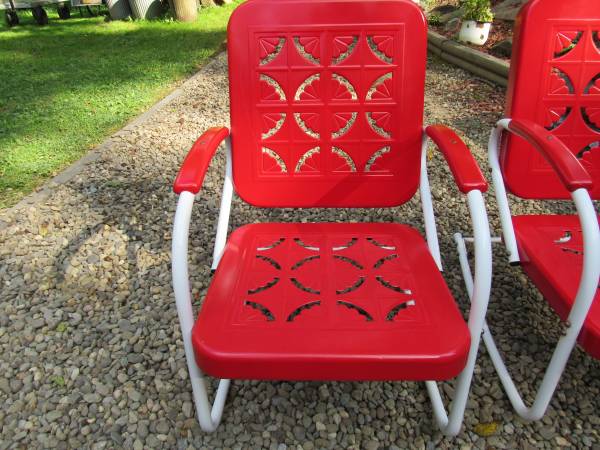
<point>474,32</point>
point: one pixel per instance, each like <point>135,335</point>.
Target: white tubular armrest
<point>208,418</point>
<point>508,232</point>
<point>450,425</point>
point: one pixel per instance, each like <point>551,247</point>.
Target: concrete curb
<point>481,64</point>
<point>78,166</point>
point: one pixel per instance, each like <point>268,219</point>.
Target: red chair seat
<point>550,248</point>
<point>329,301</point>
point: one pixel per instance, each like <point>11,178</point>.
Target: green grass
<point>66,86</point>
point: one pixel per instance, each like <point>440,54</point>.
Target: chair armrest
<point>570,171</point>
<point>194,167</point>
<point>467,174</point>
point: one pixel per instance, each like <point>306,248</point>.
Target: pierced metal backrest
<point>555,82</point>
<point>326,101</point>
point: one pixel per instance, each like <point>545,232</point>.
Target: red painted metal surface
<point>467,173</point>
<point>326,101</point>
<point>551,249</point>
<point>554,82</point>
<point>570,171</point>
<point>196,162</point>
<point>329,302</point>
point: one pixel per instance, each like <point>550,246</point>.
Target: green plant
<point>477,10</point>
<point>434,19</point>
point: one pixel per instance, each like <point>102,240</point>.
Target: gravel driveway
<point>91,355</point>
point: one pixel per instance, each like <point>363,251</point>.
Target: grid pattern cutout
<point>319,281</point>
<point>326,102</point>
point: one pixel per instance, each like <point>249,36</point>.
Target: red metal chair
<point>548,147</point>
<point>326,111</point>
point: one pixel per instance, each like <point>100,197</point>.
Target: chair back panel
<point>326,101</point>
<point>555,82</point>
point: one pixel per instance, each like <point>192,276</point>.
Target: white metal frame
<point>209,417</point>
<point>478,291</point>
<point>585,294</point>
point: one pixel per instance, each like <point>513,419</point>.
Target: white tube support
<point>427,205</point>
<point>479,293</point>
<point>508,232</point>
<point>225,209</point>
<point>584,298</point>
<point>208,417</point>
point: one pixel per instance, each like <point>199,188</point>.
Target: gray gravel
<point>91,353</point>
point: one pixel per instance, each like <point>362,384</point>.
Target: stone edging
<point>476,62</point>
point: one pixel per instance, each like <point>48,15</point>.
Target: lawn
<point>67,86</point>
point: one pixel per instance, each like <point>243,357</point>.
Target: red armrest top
<point>467,174</point>
<point>570,171</point>
<point>194,167</point>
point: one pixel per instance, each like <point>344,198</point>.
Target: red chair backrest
<point>326,101</point>
<point>555,82</point>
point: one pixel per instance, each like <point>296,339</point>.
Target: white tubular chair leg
<point>208,417</point>
<point>583,301</point>
<point>479,295</point>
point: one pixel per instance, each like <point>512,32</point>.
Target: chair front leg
<point>208,417</point>
<point>479,294</point>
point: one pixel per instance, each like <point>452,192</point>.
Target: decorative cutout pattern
<point>300,286</point>
<point>321,107</point>
<point>263,310</point>
<point>304,261</point>
<point>379,121</point>
<point>307,123</point>
<point>273,245</point>
<point>308,47</point>
<point>270,49</point>
<point>349,244</point>
<point>343,46</point>
<point>358,309</point>
<point>382,261</point>
<point>565,238</point>
<point>375,156</point>
<point>382,46</point>
<point>389,285</point>
<point>264,287</point>
<point>566,41</point>
<point>272,123</point>
<point>380,88</point>
<point>596,39</point>
<point>292,275</point>
<point>591,117</point>
<point>306,246</point>
<point>344,90</point>
<point>295,313</point>
<point>309,154</point>
<point>560,83</point>
<point>556,116</point>
<point>349,261</point>
<point>269,260</point>
<point>396,309</point>
<point>275,156</point>
<point>349,163</point>
<point>309,90</point>
<point>352,288</point>
<point>593,87</point>
<point>587,149</point>
<point>380,245</point>
<point>275,92</point>
<point>344,121</point>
